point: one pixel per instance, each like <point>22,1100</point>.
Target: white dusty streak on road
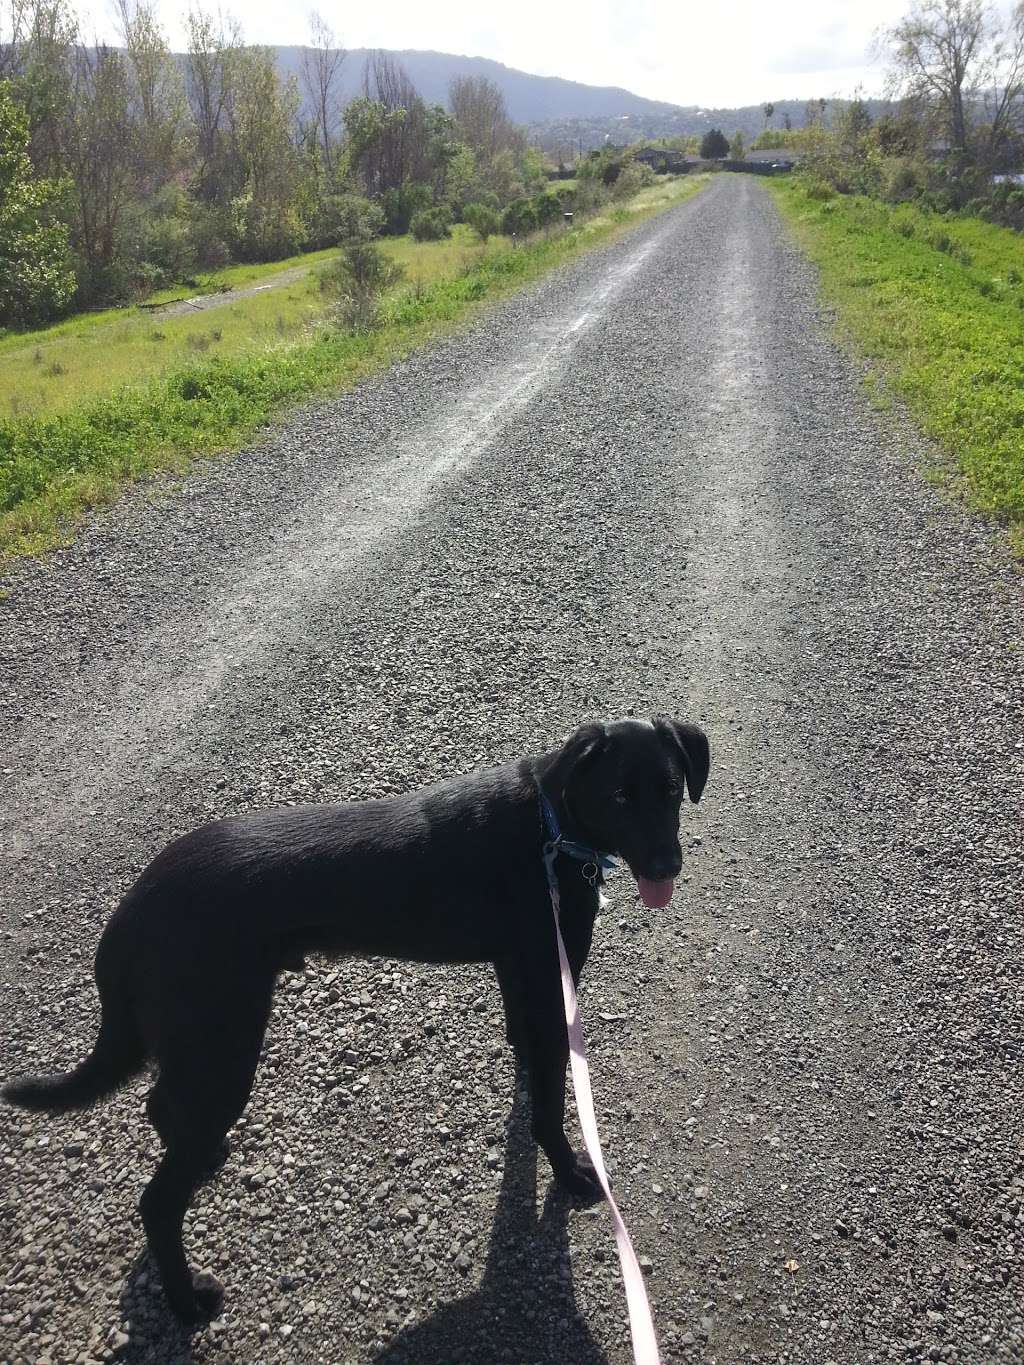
<point>146,711</point>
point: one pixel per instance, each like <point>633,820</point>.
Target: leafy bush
<point>939,200</point>
<point>156,244</point>
<point>431,225</point>
<point>209,233</point>
<point>1003,205</point>
<point>264,229</point>
<point>404,203</point>
<point>114,282</point>
<point>359,278</point>
<point>604,165</point>
<point>483,219</point>
<point>634,176</point>
<point>349,217</point>
<point>903,179</point>
<point>590,195</point>
<point>940,240</point>
<point>519,218</point>
<point>548,208</point>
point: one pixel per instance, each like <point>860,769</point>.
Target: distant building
<point>781,158</point>
<point>663,160</point>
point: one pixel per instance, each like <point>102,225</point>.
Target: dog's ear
<point>691,744</point>
<point>581,746</point>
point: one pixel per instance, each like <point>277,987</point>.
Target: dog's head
<point>619,788</point>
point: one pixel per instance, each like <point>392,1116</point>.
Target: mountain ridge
<point>562,116</point>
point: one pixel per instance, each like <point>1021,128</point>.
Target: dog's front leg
<point>513,997</point>
<point>547,1056</point>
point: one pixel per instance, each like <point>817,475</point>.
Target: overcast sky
<point>730,53</point>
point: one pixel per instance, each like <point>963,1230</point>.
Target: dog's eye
<point>674,789</point>
<point>621,798</point>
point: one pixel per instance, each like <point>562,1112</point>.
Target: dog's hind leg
<point>162,1119</point>
<point>206,1077</point>
<point>163,1205</point>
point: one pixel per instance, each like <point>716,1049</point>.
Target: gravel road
<point>650,483</point>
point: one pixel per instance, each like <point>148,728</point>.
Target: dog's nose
<point>666,868</point>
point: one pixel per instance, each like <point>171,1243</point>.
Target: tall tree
<point>211,64</point>
<point>403,144</point>
<point>36,276</point>
<point>714,145</point>
<point>1001,86</point>
<point>262,116</point>
<point>159,108</point>
<point>13,33</point>
<point>99,154</point>
<point>478,107</point>
<point>322,63</point>
<point>935,48</point>
<point>43,63</point>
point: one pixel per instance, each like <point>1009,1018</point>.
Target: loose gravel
<point>650,483</point>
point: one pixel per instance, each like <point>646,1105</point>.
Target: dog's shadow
<point>524,1311</point>
<point>154,1327</point>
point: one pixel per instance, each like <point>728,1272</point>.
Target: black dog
<point>454,873</point>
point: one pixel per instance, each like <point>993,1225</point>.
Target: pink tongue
<point>655,895</point>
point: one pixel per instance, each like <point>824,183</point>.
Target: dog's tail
<point>117,1055</point>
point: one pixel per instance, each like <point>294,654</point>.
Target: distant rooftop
<point>773,154</point>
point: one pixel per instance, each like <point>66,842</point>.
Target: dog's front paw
<point>580,1180</point>
<point>215,1164</point>
<point>203,1303</point>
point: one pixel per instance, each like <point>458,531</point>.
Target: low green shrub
<point>404,203</point>
<point>483,219</point>
<point>359,279</point>
<point>432,225</point>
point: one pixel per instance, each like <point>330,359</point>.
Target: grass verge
<point>55,466</point>
<point>938,304</point>
<point>57,368</point>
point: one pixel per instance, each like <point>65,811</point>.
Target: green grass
<point>231,277</point>
<point>938,304</point>
<point>56,369</point>
<point>273,350</point>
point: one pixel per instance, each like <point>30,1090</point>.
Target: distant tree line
<point>124,169</point>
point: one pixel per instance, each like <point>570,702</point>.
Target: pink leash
<point>641,1325</point>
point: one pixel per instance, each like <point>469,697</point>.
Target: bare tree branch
<point>322,63</point>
